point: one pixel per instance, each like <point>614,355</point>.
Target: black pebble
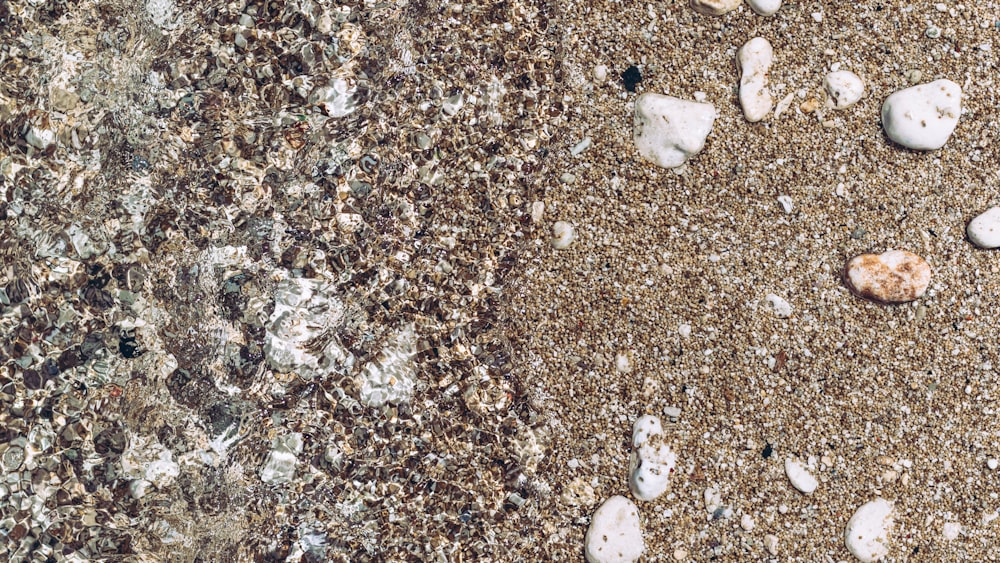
<point>768,450</point>
<point>129,348</point>
<point>631,77</point>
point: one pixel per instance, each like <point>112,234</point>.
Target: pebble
<point>984,230</point>
<point>713,499</point>
<point>923,117</point>
<point>747,523</point>
<point>563,235</point>
<point>951,530</point>
<point>777,306</point>
<point>992,463</point>
<point>600,74</point>
<point>896,276</point>
<point>680,554</point>
<point>537,212</point>
<point>867,533</point>
<point>668,131</point>
<point>844,87</point>
<point>786,203</point>
<point>800,477</point>
<point>765,7</point>
<point>714,7</point>
<point>754,60</point>
<point>40,138</point>
<point>652,460</point>
<point>615,534</point>
<point>771,544</point>
<point>583,145</point>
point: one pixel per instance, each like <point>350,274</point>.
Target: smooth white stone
<point>563,235</point>
<point>668,131</point>
<point>765,7</point>
<point>652,460</point>
<point>951,530</point>
<point>800,477</point>
<point>615,534</point>
<point>777,306</point>
<point>754,61</point>
<point>984,230</point>
<point>867,534</point>
<point>844,87</point>
<point>923,117</point>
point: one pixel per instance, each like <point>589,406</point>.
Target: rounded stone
<point>615,533</point>
<point>714,7</point>
<point>867,533</point>
<point>984,230</point>
<point>923,117</point>
<point>844,87</point>
<point>765,7</point>
<point>896,276</point>
<point>563,235</point>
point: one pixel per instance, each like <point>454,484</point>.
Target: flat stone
<point>754,61</point>
<point>896,276</point>
<point>923,117</point>
<point>615,533</point>
<point>984,230</point>
<point>844,87</point>
<point>668,131</point>
<point>714,7</point>
<point>800,477</point>
<point>765,7</point>
<point>867,533</point>
<point>777,306</point>
<point>652,460</point>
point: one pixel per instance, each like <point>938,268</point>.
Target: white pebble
<point>615,534</point>
<point>40,138</point>
<point>896,276</point>
<point>765,7</point>
<point>600,73</point>
<point>786,203</point>
<point>684,330</point>
<point>984,230</point>
<point>777,306</point>
<point>992,463</point>
<point>746,522</point>
<point>668,131</point>
<point>844,87</point>
<point>713,499</point>
<point>867,533</point>
<point>563,235</point>
<point>771,544</point>
<point>923,117</point>
<point>714,7</point>
<point>652,460</point>
<point>951,530</point>
<point>581,146</point>
<point>817,16</point>
<point>800,477</point>
<point>754,61</point>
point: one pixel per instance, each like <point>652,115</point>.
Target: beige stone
<point>896,276</point>
<point>714,7</point>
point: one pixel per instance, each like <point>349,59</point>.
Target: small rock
<point>563,235</point>
<point>714,7</point>
<point>680,554</point>
<point>537,212</point>
<point>951,530</point>
<point>844,87</point>
<point>771,544</point>
<point>583,145</point>
<point>765,7</point>
<point>754,60</point>
<point>984,230</point>
<point>786,203</point>
<point>64,100</point>
<point>668,131</point>
<point>631,78</point>
<point>615,534</point>
<point>923,117</point>
<point>600,74</point>
<point>746,522</point>
<point>777,306</point>
<point>713,499</point>
<point>896,276</point>
<point>40,138</point>
<point>801,478</point>
<point>652,460</point>
<point>867,533</point>
<point>992,463</point>
<point>675,412</point>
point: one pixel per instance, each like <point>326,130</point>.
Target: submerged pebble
<point>615,533</point>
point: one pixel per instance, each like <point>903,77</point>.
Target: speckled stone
<point>896,276</point>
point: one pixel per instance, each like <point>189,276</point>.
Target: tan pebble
<point>896,276</point>
<point>714,7</point>
<point>809,106</point>
<point>680,554</point>
<point>771,544</point>
<point>563,235</point>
